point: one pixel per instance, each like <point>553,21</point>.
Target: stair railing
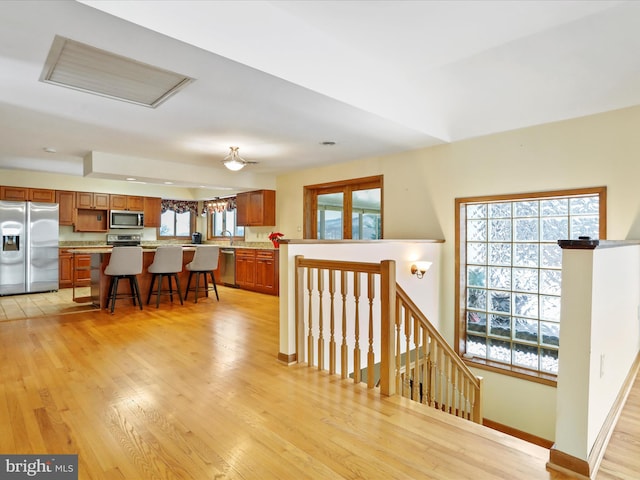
<point>349,310</point>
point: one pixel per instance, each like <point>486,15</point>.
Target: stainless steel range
<point>124,239</point>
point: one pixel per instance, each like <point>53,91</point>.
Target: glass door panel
<point>330,213</point>
<point>366,214</point>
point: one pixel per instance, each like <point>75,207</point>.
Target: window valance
<point>180,206</point>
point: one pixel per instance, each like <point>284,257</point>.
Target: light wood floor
<point>14,307</point>
<point>195,392</point>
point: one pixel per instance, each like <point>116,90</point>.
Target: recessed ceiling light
<point>328,143</point>
<point>50,150</point>
<point>168,183</point>
<point>131,179</point>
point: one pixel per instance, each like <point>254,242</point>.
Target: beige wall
<point>420,188</point>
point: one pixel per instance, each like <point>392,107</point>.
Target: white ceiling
<point>277,78</point>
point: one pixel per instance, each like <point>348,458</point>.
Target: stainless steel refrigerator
<point>29,250</point>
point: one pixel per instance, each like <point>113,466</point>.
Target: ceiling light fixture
<point>234,161</point>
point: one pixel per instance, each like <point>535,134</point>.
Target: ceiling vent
<point>82,67</point>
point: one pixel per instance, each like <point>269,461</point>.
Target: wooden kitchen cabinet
<point>66,207</point>
<point>91,212</point>
<point>246,268</point>
<point>89,220</point>
<point>65,263</point>
<point>126,202</point>
<point>75,270</point>
<point>152,211</point>
<point>256,208</point>
<point>24,194</point>
<point>15,194</point>
<point>90,200</point>
<point>43,195</point>
<point>82,270</point>
<point>257,270</point>
<point>267,271</point>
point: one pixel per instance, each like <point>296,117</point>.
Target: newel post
<point>387,324</point>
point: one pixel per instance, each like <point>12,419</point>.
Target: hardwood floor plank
<point>621,460</point>
<point>196,392</point>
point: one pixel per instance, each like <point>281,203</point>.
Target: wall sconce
<point>420,268</point>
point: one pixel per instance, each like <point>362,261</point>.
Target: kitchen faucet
<point>230,235</point>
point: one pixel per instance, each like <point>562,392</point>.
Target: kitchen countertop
<point>109,248</point>
<point>154,245</point>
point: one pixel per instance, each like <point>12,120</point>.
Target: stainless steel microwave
<point>126,219</point>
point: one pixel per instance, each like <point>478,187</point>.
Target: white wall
<point>599,338</point>
<point>420,188</point>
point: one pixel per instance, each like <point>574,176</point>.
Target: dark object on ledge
<point>584,243</point>
<point>196,238</point>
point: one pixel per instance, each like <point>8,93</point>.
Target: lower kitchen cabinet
<point>74,265</point>
<point>246,268</point>
<point>257,270</point>
<point>65,262</point>
<point>82,267</point>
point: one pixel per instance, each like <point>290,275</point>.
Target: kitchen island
<point>100,257</point>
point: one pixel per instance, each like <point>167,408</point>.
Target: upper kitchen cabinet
<point>23,194</point>
<point>90,200</point>
<point>91,212</point>
<point>152,211</point>
<point>90,220</point>
<point>43,195</point>
<point>126,202</point>
<point>256,209</point>
<point>66,206</point>
<point>16,194</point>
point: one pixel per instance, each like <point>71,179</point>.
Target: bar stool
<point>125,262</point>
<point>167,262</point>
<point>205,261</point>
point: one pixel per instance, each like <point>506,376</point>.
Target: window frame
<point>460,275</point>
<point>346,187</point>
<point>210,225</point>
<point>192,227</point>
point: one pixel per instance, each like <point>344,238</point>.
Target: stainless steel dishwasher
<point>228,267</point>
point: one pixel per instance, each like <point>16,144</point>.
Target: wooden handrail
<point>458,390</point>
<point>414,359</point>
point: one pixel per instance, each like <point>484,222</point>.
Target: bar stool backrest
<point>205,259</point>
<point>167,259</point>
<point>125,261</point>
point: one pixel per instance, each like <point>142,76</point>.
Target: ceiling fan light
<point>233,165</point>
<point>233,161</point>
